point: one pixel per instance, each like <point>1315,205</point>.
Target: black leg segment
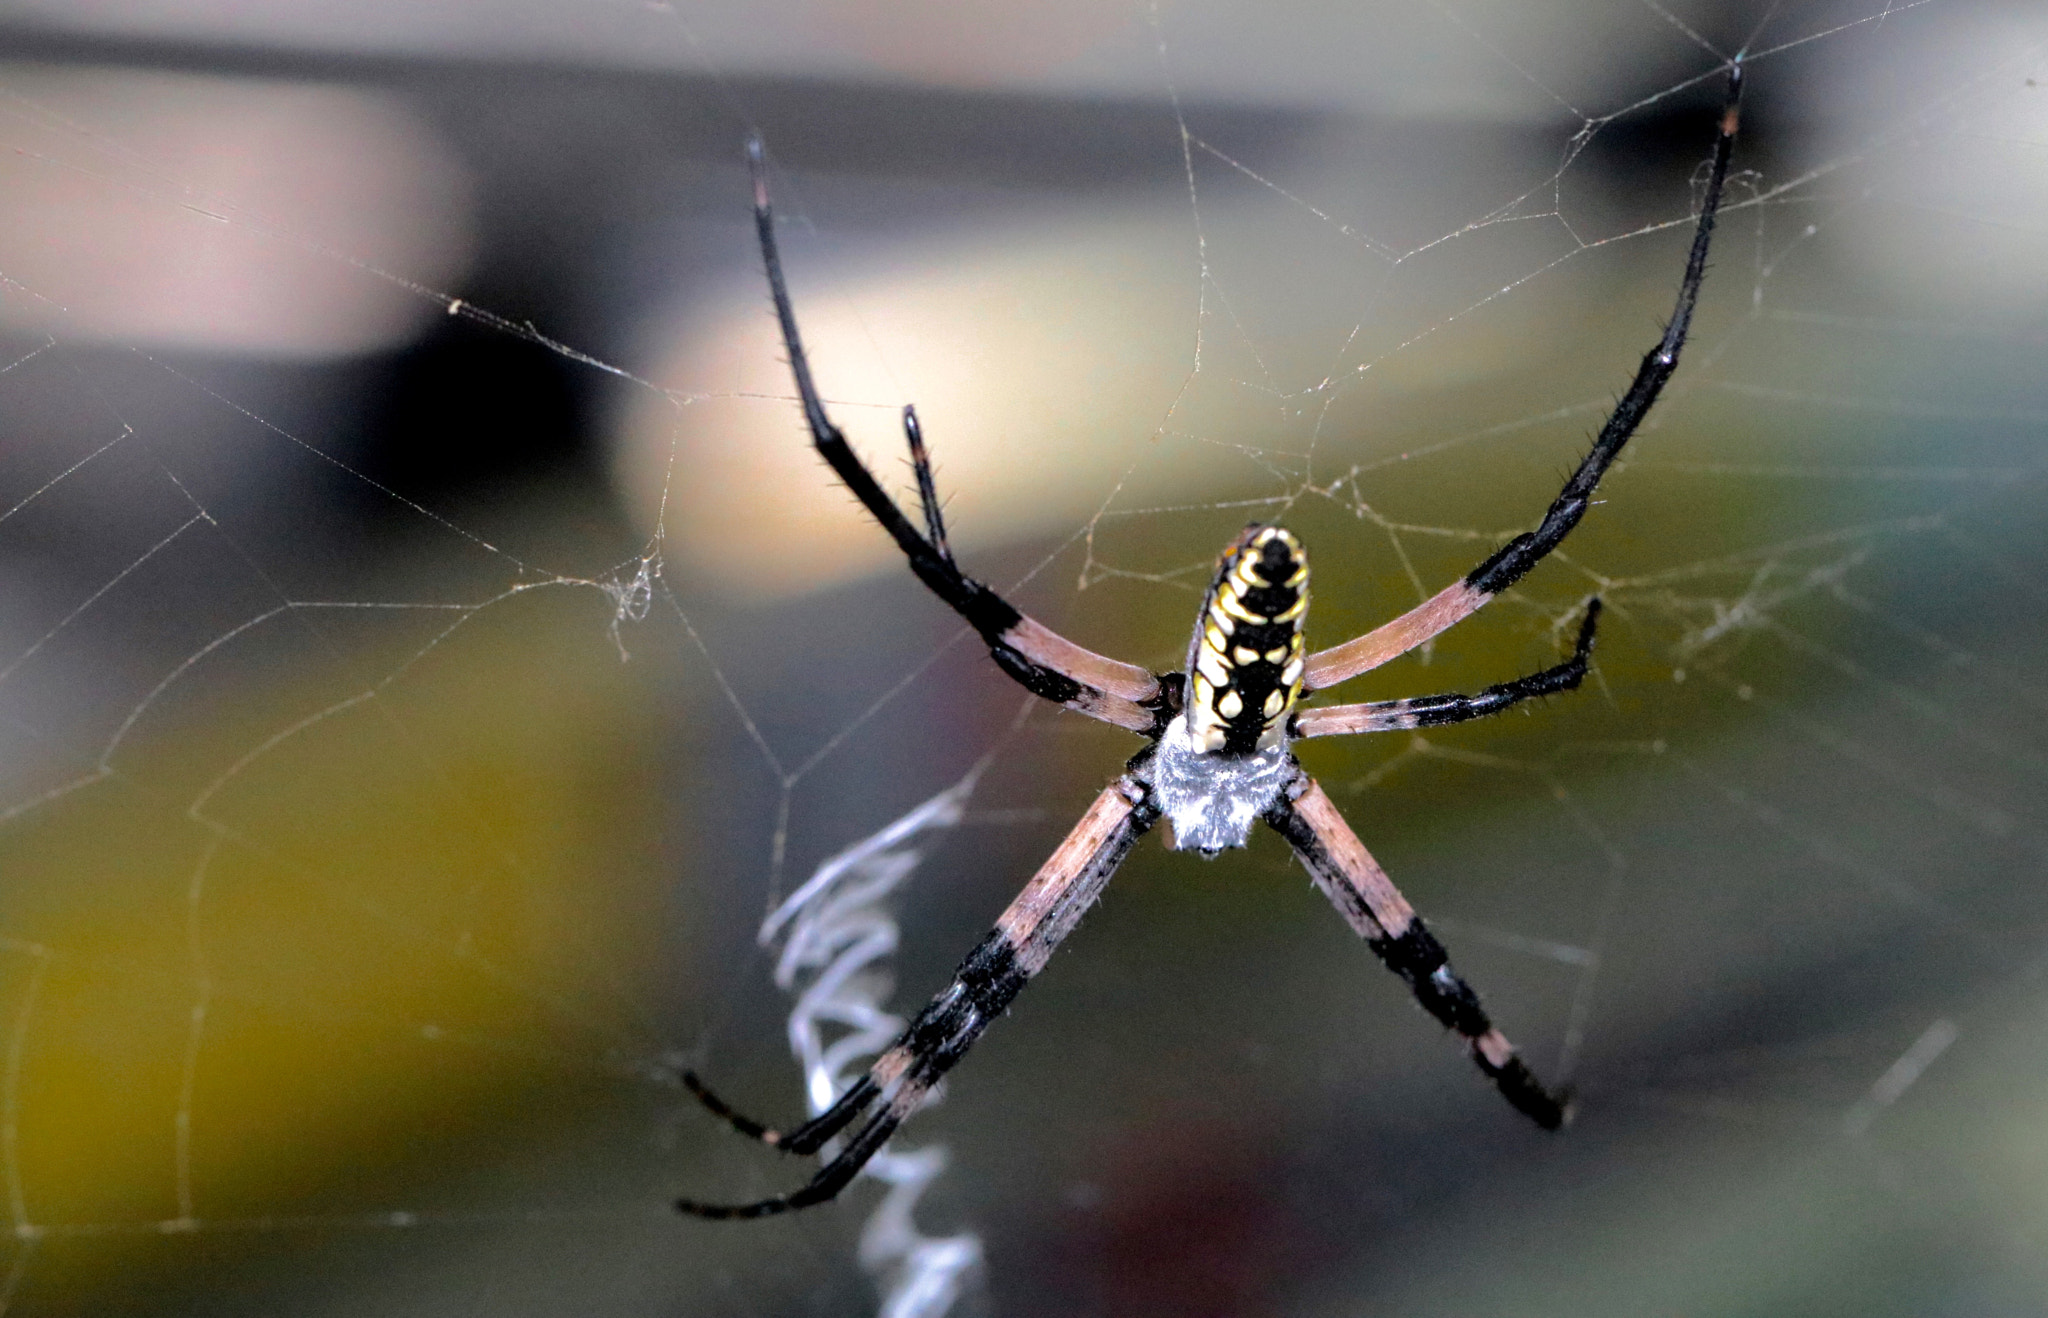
<point>1516,557</point>
<point>983,988</point>
<point>1044,663</point>
<point>1367,899</point>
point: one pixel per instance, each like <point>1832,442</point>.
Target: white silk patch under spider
<point>833,938</point>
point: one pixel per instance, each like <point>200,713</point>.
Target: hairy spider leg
<point>1435,711</point>
<point>1042,661</point>
<point>1023,940</point>
<point>1347,874</point>
<point>927,487</point>
<point>1514,559</point>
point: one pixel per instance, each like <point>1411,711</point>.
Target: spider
<point>1216,757</point>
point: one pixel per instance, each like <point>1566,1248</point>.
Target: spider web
<point>387,820</point>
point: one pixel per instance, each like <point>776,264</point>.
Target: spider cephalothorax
<point>1217,759</point>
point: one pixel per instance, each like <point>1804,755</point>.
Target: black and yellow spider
<point>1216,757</point>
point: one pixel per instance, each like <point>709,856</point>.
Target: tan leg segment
<point>1071,879</point>
<point>1452,604</point>
<point>1361,891</point>
<point>1348,875</point>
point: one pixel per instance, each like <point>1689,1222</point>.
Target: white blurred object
<point>1934,173</point>
<point>1032,399</point>
<point>836,934</point>
<point>1061,364</point>
<point>266,220</point>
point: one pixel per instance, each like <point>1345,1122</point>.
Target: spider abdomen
<point>1245,658</point>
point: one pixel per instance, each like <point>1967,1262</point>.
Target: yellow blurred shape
<point>384,929</point>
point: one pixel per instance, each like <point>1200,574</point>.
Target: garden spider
<point>1216,757</point>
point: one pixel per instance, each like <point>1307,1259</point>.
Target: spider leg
<point>927,488</point>
<point>1041,660</point>
<point>1347,874</point>
<point>1434,711</point>
<point>1514,559</point>
<point>1025,935</point>
<point>806,1138</point>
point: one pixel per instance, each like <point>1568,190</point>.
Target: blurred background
<point>428,646</point>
